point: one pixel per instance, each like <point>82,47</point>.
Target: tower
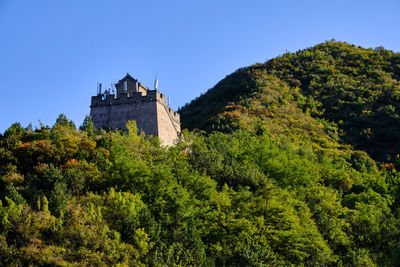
<point>133,101</point>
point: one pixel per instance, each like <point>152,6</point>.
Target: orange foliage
<point>388,167</point>
<point>72,163</point>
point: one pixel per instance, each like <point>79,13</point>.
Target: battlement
<point>133,101</point>
<point>124,98</point>
<point>173,114</point>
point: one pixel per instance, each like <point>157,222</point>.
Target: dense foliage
<point>269,183</point>
<point>355,89</point>
<point>84,197</point>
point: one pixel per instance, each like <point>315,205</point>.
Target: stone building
<point>133,101</point>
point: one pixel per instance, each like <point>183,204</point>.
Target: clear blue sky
<point>52,53</point>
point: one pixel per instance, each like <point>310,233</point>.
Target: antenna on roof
<point>99,88</point>
<point>155,83</point>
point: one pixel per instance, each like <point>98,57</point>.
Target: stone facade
<point>133,101</point>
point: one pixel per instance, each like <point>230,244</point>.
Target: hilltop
<point>353,91</point>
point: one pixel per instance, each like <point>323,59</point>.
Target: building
<point>133,101</point>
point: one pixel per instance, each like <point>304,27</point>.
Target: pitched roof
<point>127,77</point>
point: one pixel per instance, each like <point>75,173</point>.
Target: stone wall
<point>169,126</point>
<point>115,114</point>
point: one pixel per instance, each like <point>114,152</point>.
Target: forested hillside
<point>273,177</point>
<point>356,90</point>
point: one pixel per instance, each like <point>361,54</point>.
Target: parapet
<point>132,98</point>
<point>174,115</point>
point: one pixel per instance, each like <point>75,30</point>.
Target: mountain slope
<point>353,88</point>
